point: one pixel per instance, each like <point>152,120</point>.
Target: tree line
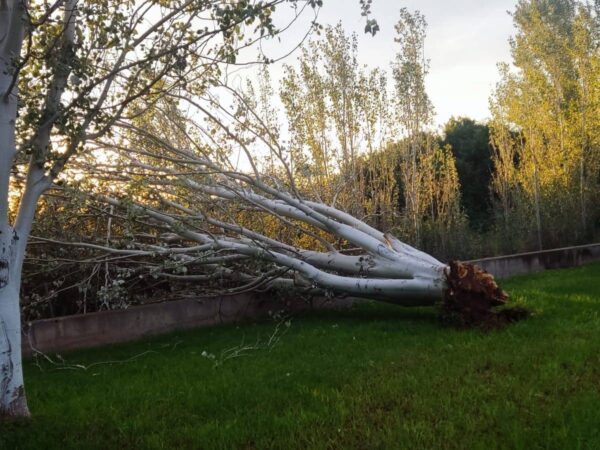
<point>527,179</point>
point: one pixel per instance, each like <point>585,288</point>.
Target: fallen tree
<point>367,263</point>
<point>183,182</point>
<point>181,172</point>
<point>182,187</point>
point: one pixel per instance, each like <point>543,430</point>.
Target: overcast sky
<point>465,41</point>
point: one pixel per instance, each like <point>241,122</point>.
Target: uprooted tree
<point>76,82</point>
<point>192,191</point>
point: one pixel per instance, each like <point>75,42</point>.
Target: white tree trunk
<point>12,249</point>
<point>12,392</point>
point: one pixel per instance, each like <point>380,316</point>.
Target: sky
<point>465,41</point>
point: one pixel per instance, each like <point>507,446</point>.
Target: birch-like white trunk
<point>12,248</point>
<point>12,392</point>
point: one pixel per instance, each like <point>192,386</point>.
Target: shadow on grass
<point>372,311</point>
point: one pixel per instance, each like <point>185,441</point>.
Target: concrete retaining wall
<point>109,327</point>
<point>522,263</point>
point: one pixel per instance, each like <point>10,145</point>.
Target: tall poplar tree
<point>550,103</point>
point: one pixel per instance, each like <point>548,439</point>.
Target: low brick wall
<point>523,263</point>
<point>110,327</point>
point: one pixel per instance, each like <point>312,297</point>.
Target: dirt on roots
<point>474,299</point>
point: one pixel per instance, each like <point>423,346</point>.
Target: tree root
<point>474,299</point>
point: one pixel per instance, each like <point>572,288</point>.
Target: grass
<point>374,377</point>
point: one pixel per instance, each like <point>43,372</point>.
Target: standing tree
<point>546,112</point>
<point>470,143</point>
<point>429,185</point>
<point>335,115</point>
<point>413,108</point>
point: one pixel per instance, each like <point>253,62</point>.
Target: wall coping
<point>534,253</point>
<point>531,262</point>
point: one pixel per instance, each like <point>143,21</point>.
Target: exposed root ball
<point>474,299</point>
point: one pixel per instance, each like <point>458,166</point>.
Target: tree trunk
<point>538,217</point>
<point>12,392</point>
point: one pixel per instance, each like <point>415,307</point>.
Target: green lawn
<point>375,377</point>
